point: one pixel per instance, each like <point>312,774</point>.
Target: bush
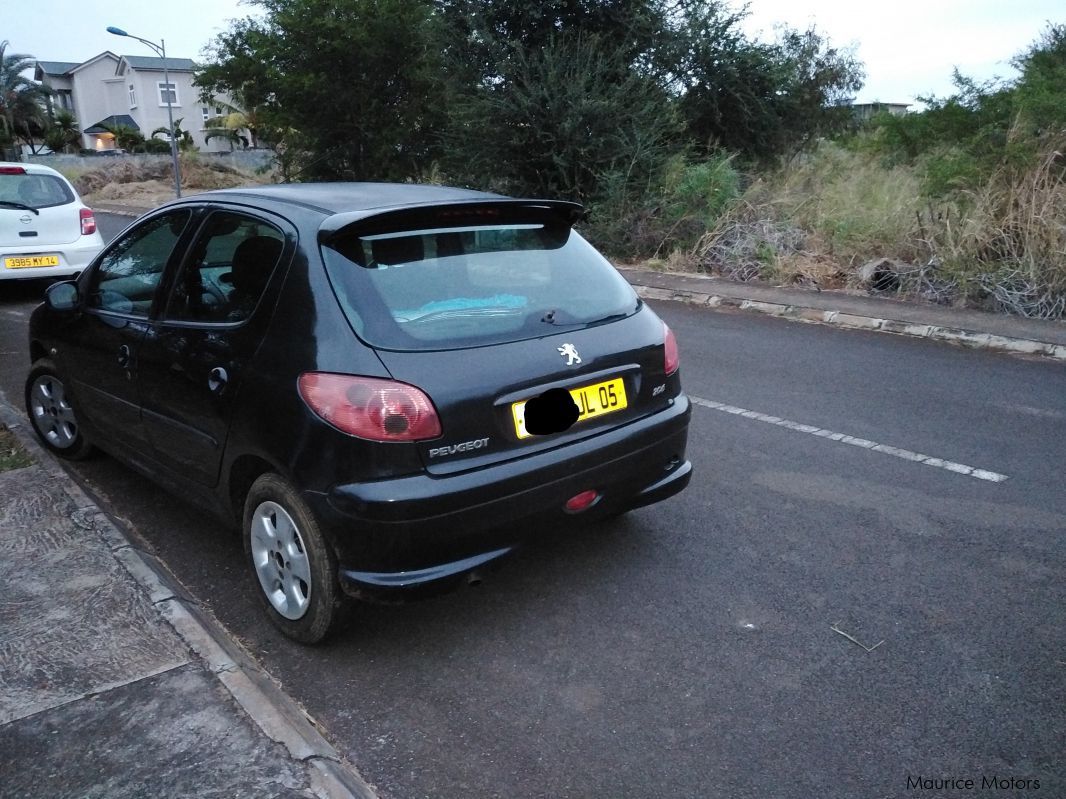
<point>673,214</point>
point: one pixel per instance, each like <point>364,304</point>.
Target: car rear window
<point>458,286</point>
<point>36,191</point>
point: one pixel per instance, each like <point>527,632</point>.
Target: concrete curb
<point>968,338</point>
<point>120,210</point>
<point>275,713</point>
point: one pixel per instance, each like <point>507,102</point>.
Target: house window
<point>168,92</point>
<point>206,112</point>
<point>66,102</point>
<point>133,97</point>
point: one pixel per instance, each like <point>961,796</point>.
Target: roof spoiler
<point>383,220</point>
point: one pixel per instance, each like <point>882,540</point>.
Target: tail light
<point>12,170</point>
<point>369,407</point>
<point>88,221</point>
<point>673,357</point>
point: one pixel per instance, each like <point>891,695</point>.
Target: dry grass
<point>152,182</point>
<point>818,220</point>
<point>1010,242</point>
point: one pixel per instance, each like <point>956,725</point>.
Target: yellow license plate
<point>592,402</point>
<point>27,261</point>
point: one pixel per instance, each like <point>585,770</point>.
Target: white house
<point>110,89</point>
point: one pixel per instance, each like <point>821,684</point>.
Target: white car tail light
<point>88,221</point>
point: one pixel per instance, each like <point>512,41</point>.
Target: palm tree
<point>185,140</point>
<point>231,135</point>
<point>21,100</point>
<point>236,119</point>
<point>126,137</point>
<point>63,134</point>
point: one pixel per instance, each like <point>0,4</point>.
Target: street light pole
<point>161,50</point>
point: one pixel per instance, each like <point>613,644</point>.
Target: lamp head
<point>116,31</point>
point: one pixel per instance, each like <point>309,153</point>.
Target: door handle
<point>124,356</point>
<point>217,379</point>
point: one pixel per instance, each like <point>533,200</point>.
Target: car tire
<point>294,566</point>
<point>52,414</point>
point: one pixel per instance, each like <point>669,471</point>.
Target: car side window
<point>227,270</point>
<point>126,279</point>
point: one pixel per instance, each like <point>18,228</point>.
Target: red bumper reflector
<point>581,501</point>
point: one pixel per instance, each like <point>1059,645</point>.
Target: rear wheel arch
<point>292,561</point>
<point>37,351</point>
<point>243,472</point>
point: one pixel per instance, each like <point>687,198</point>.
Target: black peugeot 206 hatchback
<point>386,385</point>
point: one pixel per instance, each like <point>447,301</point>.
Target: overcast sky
<point>909,46</point>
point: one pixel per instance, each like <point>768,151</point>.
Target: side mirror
<point>62,296</point>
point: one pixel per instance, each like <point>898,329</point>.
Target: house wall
<point>98,92</point>
<point>151,113</point>
<point>60,83</point>
<point>91,99</point>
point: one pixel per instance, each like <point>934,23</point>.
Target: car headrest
<point>253,261</point>
<point>401,250</point>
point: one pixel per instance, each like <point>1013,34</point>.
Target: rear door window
<point>227,270</point>
<point>452,287</point>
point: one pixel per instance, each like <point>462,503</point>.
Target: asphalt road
<point>688,650</point>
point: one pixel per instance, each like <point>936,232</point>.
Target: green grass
<point>12,455</point>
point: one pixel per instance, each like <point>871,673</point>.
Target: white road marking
<point>896,452</point>
<point>14,313</point>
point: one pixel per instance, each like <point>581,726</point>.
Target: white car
<point>45,228</point>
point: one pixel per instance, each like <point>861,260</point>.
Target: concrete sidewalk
<point>970,328</point>
<point>112,683</point>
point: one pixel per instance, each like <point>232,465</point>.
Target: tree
<point>126,137</point>
<point>359,79</point>
<point>481,37</point>
<point>559,118</point>
<point>63,135</point>
<point>758,99</point>
<point>22,113</point>
<point>184,137</point>
<point>1041,88</point>
<point>229,124</point>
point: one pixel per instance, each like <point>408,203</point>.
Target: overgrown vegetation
<point>964,202</point>
<point>595,100</point>
<point>691,144</point>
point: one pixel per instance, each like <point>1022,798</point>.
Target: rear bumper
<point>72,259</point>
<point>421,528</point>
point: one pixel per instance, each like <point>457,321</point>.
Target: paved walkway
<point>114,684</point>
<point>970,328</point>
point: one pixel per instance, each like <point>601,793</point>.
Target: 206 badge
<point>569,351</point>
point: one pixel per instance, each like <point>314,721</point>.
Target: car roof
<point>339,198</point>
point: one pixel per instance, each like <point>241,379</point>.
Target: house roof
<point>112,121</point>
<point>93,60</point>
<point>148,62</point>
<point>56,67</point>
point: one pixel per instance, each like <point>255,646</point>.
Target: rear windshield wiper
<point>455,313</point>
<point>20,206</point>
